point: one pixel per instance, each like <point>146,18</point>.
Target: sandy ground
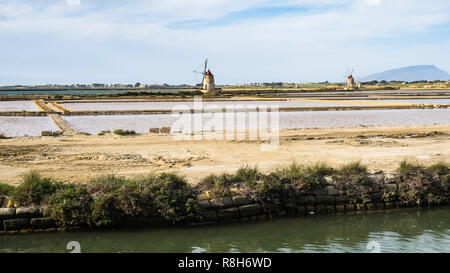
<point>80,158</point>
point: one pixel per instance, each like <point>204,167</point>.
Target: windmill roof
<point>208,72</point>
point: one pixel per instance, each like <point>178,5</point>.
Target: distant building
<point>350,81</point>
<point>208,82</point>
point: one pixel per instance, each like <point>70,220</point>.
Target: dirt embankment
<point>80,158</point>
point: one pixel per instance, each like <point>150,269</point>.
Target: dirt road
<point>80,158</point>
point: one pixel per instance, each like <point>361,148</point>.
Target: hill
<point>409,74</point>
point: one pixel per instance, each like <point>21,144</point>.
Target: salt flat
<point>288,120</point>
<point>25,126</point>
<point>17,106</point>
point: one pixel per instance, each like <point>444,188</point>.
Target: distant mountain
<point>409,73</point>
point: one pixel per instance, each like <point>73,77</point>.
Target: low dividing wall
<point>326,200</point>
<point>23,114</point>
<point>25,219</point>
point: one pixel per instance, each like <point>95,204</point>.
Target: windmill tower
<point>350,80</point>
<point>208,85</point>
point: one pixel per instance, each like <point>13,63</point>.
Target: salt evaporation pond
<point>6,106</point>
<point>367,92</point>
<point>25,126</point>
<point>80,92</point>
<point>288,120</point>
<point>415,101</point>
<point>119,106</point>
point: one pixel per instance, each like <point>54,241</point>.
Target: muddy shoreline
<point>79,158</point>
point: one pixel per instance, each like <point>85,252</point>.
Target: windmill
<point>350,80</point>
<point>207,79</point>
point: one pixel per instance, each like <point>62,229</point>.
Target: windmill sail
<point>204,71</point>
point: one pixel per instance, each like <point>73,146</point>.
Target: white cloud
<point>373,2</point>
<point>72,3</point>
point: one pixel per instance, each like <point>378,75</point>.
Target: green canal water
<point>411,230</point>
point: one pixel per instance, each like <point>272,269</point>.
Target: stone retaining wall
<point>24,220</point>
<point>326,200</point>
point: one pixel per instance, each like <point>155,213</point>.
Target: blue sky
<point>114,41</point>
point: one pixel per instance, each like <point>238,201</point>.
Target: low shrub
<point>280,187</point>
<point>116,197</point>
<point>2,136</point>
<point>313,177</point>
<point>102,133</point>
<point>124,132</point>
<point>268,190</point>
<point>220,185</point>
<point>105,201</point>
<point>265,188</point>
<point>190,93</point>
<point>172,196</point>
<point>34,189</point>
<point>164,130</point>
<point>352,181</point>
<point>420,185</point>
<point>52,133</point>
<point>109,199</point>
<point>70,206</point>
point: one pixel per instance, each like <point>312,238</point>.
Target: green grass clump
<point>353,168</point>
<point>247,175</point>
<point>124,132</point>
<point>6,189</point>
<point>409,168</point>
<point>313,176</point>
<point>303,178</point>
<point>217,185</point>
<point>440,168</point>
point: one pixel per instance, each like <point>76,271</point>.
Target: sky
<point>156,41</point>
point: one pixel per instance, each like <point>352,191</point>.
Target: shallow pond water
<point>287,120</point>
<point>25,126</point>
<point>17,106</point>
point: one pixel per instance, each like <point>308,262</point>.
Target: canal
<point>408,230</point>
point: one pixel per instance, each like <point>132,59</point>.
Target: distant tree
<point>138,84</point>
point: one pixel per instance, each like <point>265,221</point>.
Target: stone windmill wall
<point>208,82</point>
<point>350,82</point>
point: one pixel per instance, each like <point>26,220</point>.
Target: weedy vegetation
<point>108,200</point>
